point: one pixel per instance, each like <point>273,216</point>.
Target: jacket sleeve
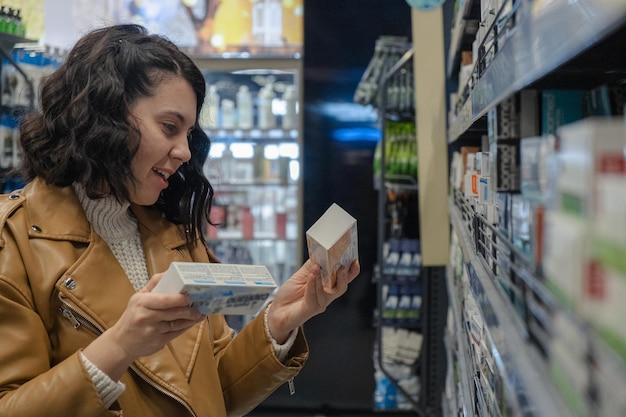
<point>26,375</point>
<point>249,369</point>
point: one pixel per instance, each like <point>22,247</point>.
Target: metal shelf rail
<point>541,36</point>
<point>521,361</point>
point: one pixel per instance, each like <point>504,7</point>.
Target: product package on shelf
<point>584,234</point>
<point>560,107</point>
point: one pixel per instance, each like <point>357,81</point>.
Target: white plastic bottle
<point>210,109</point>
<point>267,119</point>
<point>290,119</point>
<point>228,114</point>
<point>244,108</point>
<point>226,165</point>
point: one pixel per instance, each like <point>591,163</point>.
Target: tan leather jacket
<point>60,286</point>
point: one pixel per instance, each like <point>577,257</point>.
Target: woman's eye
<point>169,128</point>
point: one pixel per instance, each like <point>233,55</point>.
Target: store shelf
<point>464,28</point>
<point>8,41</point>
<point>522,367</point>
<point>223,185</point>
<point>464,397</point>
<point>253,135</point>
<point>547,35</point>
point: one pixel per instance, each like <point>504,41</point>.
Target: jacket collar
<point>55,212</point>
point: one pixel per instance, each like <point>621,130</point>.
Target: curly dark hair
<point>82,132</point>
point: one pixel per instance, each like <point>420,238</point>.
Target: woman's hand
<point>303,296</point>
<point>149,322</point>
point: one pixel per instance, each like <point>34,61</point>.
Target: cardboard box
<point>332,242</point>
<point>507,166</point>
<point>560,107</point>
<point>217,288</point>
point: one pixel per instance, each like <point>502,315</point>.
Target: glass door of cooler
<point>252,115</point>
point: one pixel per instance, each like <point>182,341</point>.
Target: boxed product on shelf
<point>216,288</point>
<point>514,118</point>
<point>521,223</point>
<point>332,242</point>
<point>503,120</point>
<point>465,151</point>
<point>560,107</point>
<point>590,150</point>
<point>504,145</point>
<point>507,166</point>
<point>602,301</point>
<point>538,159</point>
<point>503,202</point>
<point>470,179</point>
<point>608,376</point>
<point>529,113</point>
<point>567,254</point>
<point>568,355</point>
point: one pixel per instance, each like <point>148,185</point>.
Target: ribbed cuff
<point>108,389</point>
<point>281,351</point>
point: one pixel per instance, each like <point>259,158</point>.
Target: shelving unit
<point>547,45</point>
<point>7,44</point>
<point>387,184</point>
<point>533,338</point>
<point>255,171</point>
<point>520,360</point>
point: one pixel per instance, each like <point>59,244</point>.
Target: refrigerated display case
<point>251,113</point>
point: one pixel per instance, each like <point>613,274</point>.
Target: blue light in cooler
<point>352,134</point>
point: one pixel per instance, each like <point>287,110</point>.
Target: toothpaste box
<point>332,242</point>
<point>216,288</point>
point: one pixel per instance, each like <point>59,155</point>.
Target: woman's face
<point>164,120</point>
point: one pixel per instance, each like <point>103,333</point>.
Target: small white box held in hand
<point>332,242</point>
<point>216,288</point>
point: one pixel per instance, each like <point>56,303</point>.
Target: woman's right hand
<point>150,321</point>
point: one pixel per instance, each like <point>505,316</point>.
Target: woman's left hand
<point>303,296</point>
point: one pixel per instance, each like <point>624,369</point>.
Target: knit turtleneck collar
<point>111,219</point>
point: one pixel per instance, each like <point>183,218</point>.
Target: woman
<point>114,194</point>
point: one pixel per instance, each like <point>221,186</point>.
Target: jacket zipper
<point>292,386</point>
<point>79,319</point>
<point>161,389</point>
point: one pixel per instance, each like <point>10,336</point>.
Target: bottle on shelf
<point>247,223</point>
<point>244,108</point>
<point>290,119</point>
<point>258,162</point>
<point>210,109</point>
<point>267,118</point>
<point>226,163</point>
<point>228,114</point>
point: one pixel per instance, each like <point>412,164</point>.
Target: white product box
<point>568,350</point>
<point>567,254</point>
<point>332,241</point>
<point>588,148</point>
<point>538,155</point>
<point>216,288</point>
<point>609,221</point>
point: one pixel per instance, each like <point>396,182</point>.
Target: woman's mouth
<point>163,174</point>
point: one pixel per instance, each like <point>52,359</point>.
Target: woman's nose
<point>181,149</point>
